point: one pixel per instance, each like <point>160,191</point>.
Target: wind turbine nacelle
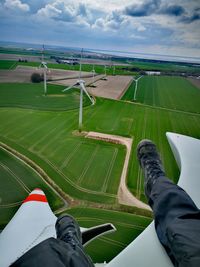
<point>81,81</point>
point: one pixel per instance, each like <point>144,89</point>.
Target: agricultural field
<point>17,181</point>
<point>128,227</point>
<point>175,93</point>
<point>7,64</point>
<point>73,161</point>
<point>89,170</point>
<point>99,69</point>
<point>32,96</point>
<point>165,66</point>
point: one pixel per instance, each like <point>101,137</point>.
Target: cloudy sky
<point>170,27</point>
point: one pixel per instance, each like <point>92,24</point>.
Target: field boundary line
<point>36,129</point>
<point>161,108</point>
<point>124,195</point>
<point>15,177</point>
<point>87,165</point>
<point>32,148</point>
<point>70,155</point>
<point>125,89</point>
<point>112,241</point>
<point>42,174</point>
<point>123,224</point>
<point>68,180</point>
<point>11,205</point>
<point>105,184</point>
<point>55,137</point>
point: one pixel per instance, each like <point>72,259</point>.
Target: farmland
<point>32,96</point>
<point>165,66</point>
<point>44,130</point>
<point>7,64</point>
<point>17,180</point>
<point>166,92</point>
<point>48,138</point>
<point>100,69</point>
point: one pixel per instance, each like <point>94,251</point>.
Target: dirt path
<point>124,195</point>
<point>195,82</point>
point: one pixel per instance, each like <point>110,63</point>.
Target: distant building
<point>153,72</point>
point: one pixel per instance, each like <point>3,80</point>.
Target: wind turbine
<point>136,86</point>
<point>43,65</point>
<point>105,70</point>
<point>81,85</point>
<point>93,73</point>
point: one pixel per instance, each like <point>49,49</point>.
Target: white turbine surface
<point>136,86</point>
<point>93,73</point>
<point>81,85</point>
<point>45,69</point>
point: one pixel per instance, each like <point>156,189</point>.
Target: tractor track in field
<point>31,164</point>
<point>73,184</point>
<point>22,184</point>
<point>105,184</point>
<point>11,205</point>
<point>124,195</point>
<point>161,108</point>
<point>80,178</point>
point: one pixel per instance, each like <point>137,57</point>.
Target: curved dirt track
<point>124,195</point>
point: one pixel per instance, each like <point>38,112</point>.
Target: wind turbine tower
<point>81,85</point>
<point>105,70</point>
<point>93,73</point>
<point>136,86</point>
<point>43,65</point>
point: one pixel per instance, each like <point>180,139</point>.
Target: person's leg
<point>177,219</point>
<point>68,231</point>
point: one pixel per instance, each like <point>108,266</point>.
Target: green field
<point>106,247</point>
<point>17,181</point>
<point>73,161</point>
<point>89,170</point>
<point>7,64</point>
<point>165,66</point>
<point>167,92</point>
<point>32,96</point>
<point>99,69</point>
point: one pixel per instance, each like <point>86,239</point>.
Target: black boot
<point>68,230</point>
<point>151,164</point>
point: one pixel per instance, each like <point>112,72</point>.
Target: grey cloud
<point>173,10</point>
<point>82,10</point>
<point>141,10</point>
<point>150,7</point>
<point>190,19</point>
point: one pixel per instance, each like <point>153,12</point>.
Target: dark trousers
<point>177,222</point>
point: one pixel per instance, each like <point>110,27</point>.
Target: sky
<point>169,27</point>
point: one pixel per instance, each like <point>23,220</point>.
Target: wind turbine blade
<point>84,89</point>
<point>70,87</point>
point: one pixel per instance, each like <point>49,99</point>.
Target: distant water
<point>185,59</point>
<point>149,56</point>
